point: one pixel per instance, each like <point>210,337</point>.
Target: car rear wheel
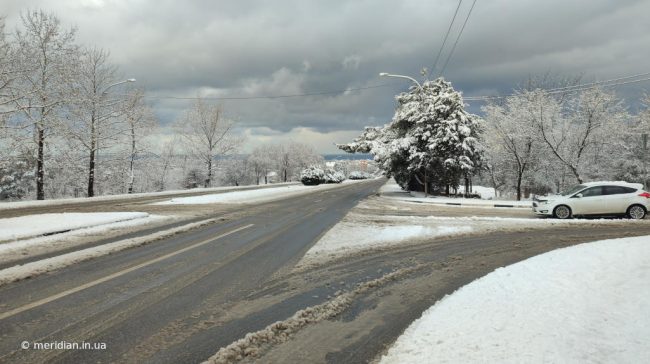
<point>636,212</point>
<point>562,212</point>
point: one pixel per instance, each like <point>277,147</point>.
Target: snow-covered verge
<point>29,226</point>
<point>585,303</point>
<point>162,194</point>
<point>250,196</point>
<point>419,197</point>
<point>358,232</point>
<point>20,249</point>
<point>50,264</point>
<point>487,197</point>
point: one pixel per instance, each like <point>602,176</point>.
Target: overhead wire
<point>579,87</point>
<point>444,41</point>
<point>582,87</point>
<point>457,39</point>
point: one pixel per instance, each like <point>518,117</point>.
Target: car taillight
<point>645,194</point>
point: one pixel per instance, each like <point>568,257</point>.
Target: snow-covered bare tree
<point>207,135</point>
<point>140,120</point>
<point>293,157</point>
<point>261,162</point>
<point>511,135</point>
<point>46,52</point>
<point>9,72</point>
<point>94,121</point>
<point>236,172</point>
<point>166,158</point>
<point>580,134</point>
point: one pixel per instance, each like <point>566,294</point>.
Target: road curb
<point>470,204</point>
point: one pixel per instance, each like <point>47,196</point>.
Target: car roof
<point>638,186</point>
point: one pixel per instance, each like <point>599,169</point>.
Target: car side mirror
<point>578,195</point>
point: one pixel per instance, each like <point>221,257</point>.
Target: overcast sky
<point>259,48</point>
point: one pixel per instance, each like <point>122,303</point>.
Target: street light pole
<point>115,84</point>
<point>384,74</point>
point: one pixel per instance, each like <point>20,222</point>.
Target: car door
<point>618,198</point>
<point>590,202</point>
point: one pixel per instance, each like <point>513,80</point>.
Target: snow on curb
<point>34,246</point>
<point>584,303</point>
<point>30,226</point>
<point>32,269</point>
<point>252,345</point>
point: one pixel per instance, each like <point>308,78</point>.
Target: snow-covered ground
<point>29,226</point>
<point>250,196</point>
<point>358,232</point>
<point>585,303</point>
<point>487,197</point>
<point>66,201</point>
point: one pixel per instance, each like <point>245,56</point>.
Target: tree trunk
<point>426,184</point>
<point>209,177</point>
<point>466,186</point>
<point>132,176</point>
<point>91,164</point>
<point>91,173</point>
<point>40,175</point>
<point>519,187</point>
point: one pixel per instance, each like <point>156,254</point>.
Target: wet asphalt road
<point>167,302</point>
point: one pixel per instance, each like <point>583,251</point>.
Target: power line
<point>582,87</point>
<point>605,83</point>
<point>435,64</point>
<point>457,39</point>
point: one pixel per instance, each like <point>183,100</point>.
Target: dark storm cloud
<point>254,48</point>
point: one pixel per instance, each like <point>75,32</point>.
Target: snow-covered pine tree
<point>431,139</point>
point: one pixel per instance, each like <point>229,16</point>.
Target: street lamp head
<point>130,80</point>
<point>383,74</point>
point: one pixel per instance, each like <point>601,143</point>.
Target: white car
<point>596,198</point>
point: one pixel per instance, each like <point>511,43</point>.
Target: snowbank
<point>162,194</point>
<point>36,225</point>
<point>16,250</point>
<point>586,303</point>
<point>32,269</point>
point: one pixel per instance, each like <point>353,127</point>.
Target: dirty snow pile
<point>585,303</point>
<point>29,226</point>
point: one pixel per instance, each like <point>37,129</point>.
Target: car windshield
<point>573,190</point>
